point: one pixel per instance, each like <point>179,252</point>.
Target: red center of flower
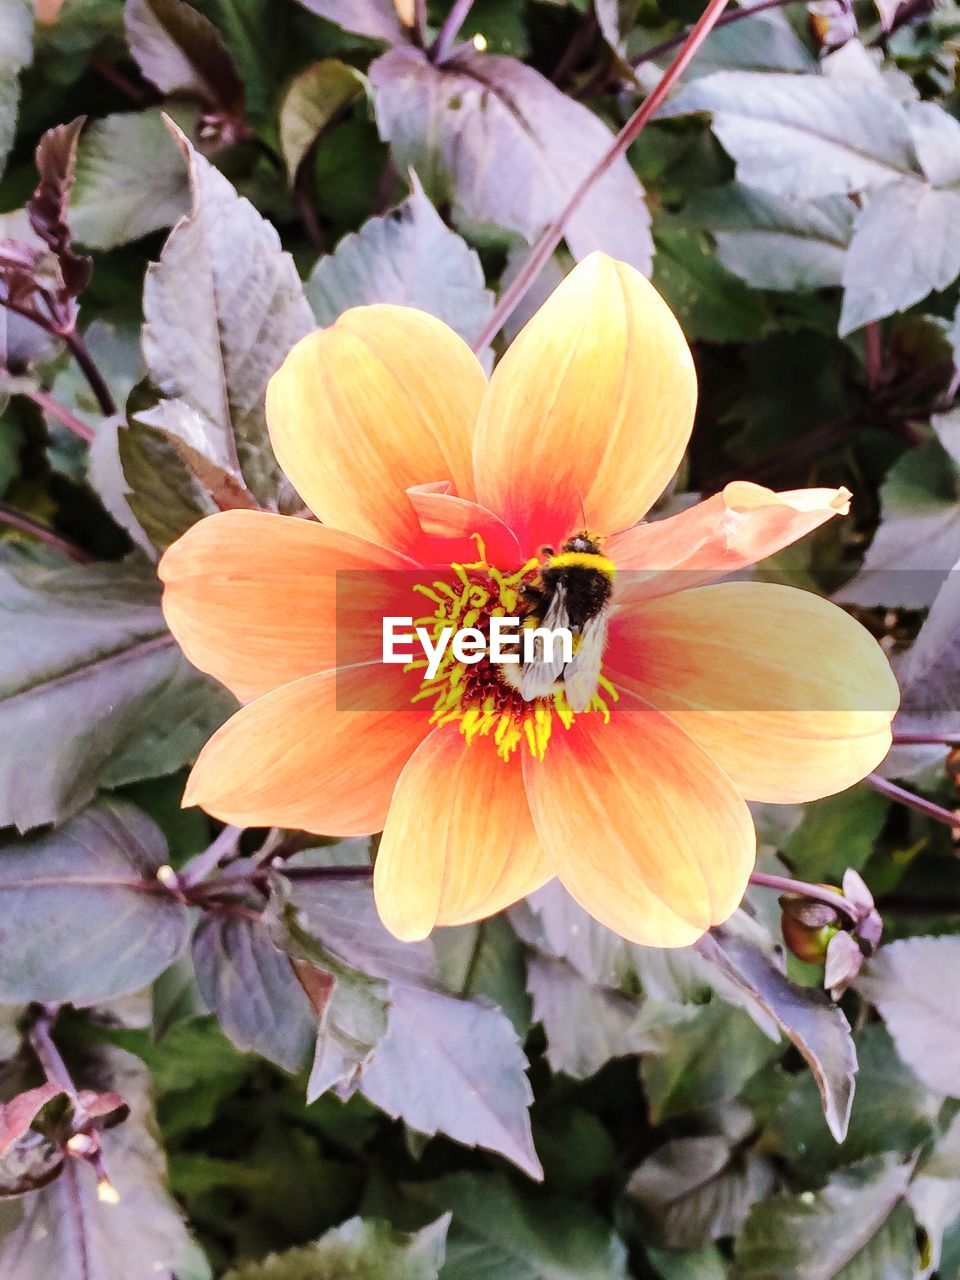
<point>478,697</point>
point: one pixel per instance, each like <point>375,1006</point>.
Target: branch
<point>60,413</point>
<point>200,867</point>
<point>540,254</point>
<point>949,817</point>
<point>82,1146</point>
<point>736,16</point>
<point>817,892</point>
<point>459,12</point>
<point>26,524</point>
<point>85,360</point>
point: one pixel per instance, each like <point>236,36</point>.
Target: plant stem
<point>48,1055</point>
<point>736,16</point>
<point>450,29</point>
<point>540,254</point>
<point>60,413</point>
<point>579,43</point>
<point>912,801</point>
<point>927,739</point>
<point>816,892</point>
<point>26,524</point>
<point>328,873</point>
<point>85,360</point>
<point>211,857</point>
<point>420,22</point>
<point>873,354</point>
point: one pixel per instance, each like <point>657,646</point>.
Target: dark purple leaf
<point>182,52</point>
<point>254,991</point>
<point>82,920</point>
<point>376,19</point>
<point>17,1115</point>
<point>56,159</point>
<point>506,148</point>
<point>815,1025</point>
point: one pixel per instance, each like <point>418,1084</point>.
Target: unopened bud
<point>808,926</point>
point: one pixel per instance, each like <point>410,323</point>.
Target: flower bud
<point>808,926</point>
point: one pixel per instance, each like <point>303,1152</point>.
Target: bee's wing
<point>538,677</point>
<point>580,676</point>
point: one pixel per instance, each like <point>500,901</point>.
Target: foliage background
<point>275,1088</point>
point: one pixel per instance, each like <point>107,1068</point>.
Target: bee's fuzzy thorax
<point>583,560</point>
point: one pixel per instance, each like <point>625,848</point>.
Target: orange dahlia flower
<point>433,485</point>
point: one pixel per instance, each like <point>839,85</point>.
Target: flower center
<point>478,697</point>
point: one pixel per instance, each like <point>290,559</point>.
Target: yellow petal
<point>256,599</point>
<point>386,398</point>
<point>641,826</point>
<point>593,402</point>
<point>322,754</point>
<point>459,843</point>
<point>729,531</point>
<point>791,696</point>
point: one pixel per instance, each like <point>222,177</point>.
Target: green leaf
<point>710,303</point>
<point>83,921</point>
<point>857,1228</point>
<point>905,980</point>
<point>507,149</point>
<point>802,137</point>
<point>181,51</point>
<point>496,1232</point>
<point>892,1111</point>
<point>64,1231</point>
<point>93,689</point>
<point>253,990</point>
<point>16,50</point>
<point>223,267</point>
<point>694,1190</point>
<point>361,1249</point>
<point>771,242</point>
<point>408,257</point>
<point>703,1060</point>
<point>836,833</point>
<point>315,98</point>
<point>131,180</point>
<point>454,1066</point>
<point>904,246</point>
<point>816,1027</point>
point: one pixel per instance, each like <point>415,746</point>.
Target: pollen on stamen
<point>476,697</point>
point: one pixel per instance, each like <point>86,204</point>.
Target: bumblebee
<point>574,591</point>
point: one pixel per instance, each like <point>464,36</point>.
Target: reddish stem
<point>540,254</point>
<point>912,801</point>
<point>927,739</point>
<point>816,892</point>
<point>26,524</point>
<point>60,413</point>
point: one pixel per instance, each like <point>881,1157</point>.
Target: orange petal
<point>256,600</point>
<point>322,754</point>
<point>450,524</point>
<point>733,529</point>
<point>386,398</point>
<point>593,401</point>
<point>641,826</point>
<point>459,843</point>
<point>791,696</point>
